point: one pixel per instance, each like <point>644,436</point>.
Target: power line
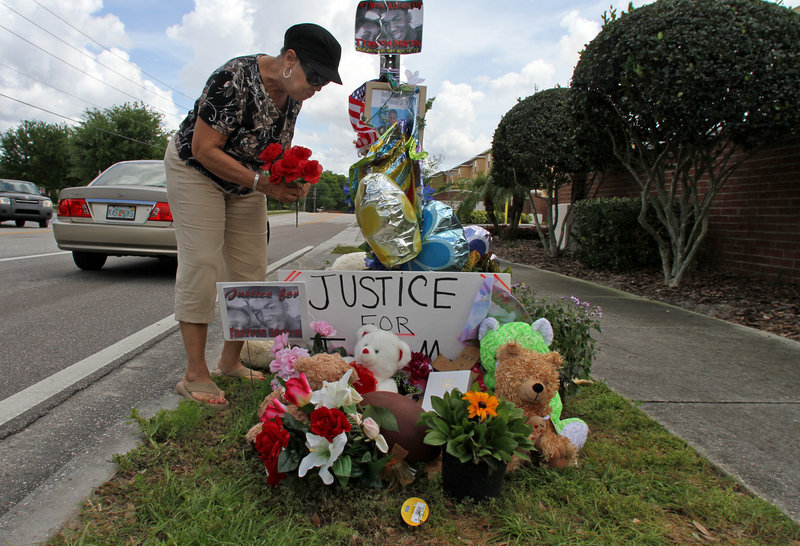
<point>87,55</point>
<point>48,85</point>
<point>157,146</point>
<point>82,70</point>
<point>62,91</point>
<point>57,16</point>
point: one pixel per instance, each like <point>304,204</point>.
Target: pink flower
<point>279,343</point>
<point>283,365</point>
<point>274,409</point>
<point>298,391</point>
<point>323,328</point>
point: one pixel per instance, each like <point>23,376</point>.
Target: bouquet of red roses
<point>293,165</point>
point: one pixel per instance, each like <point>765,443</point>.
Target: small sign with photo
<point>263,310</point>
<point>389,28</point>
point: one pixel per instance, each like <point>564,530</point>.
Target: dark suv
<point>21,201</point>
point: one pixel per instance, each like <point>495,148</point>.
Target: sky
<point>59,58</point>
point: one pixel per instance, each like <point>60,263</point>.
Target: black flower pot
<point>461,480</point>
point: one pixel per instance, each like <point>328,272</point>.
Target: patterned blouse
<point>235,103</point>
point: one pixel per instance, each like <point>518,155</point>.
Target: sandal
<point>245,373</point>
<point>187,388</point>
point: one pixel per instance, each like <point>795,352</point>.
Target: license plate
<point>116,212</point>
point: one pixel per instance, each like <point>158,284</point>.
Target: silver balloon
<point>387,220</point>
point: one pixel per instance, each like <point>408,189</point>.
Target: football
<point>409,435</point>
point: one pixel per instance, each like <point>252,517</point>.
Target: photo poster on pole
<point>263,310</point>
<point>426,309</point>
<point>388,28</point>
<point>405,106</point>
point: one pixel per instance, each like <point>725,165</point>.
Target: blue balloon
<point>444,245</point>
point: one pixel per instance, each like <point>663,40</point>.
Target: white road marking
<point>33,256</point>
<point>17,404</point>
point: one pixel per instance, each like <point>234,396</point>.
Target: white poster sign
<point>428,310</point>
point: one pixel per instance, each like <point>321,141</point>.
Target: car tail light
<point>74,207</point>
<point>161,213</point>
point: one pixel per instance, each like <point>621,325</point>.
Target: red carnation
<point>289,165</point>
<point>269,443</point>
<point>329,422</point>
<point>277,172</point>
<point>298,153</point>
<point>310,171</point>
<point>366,381</point>
<point>270,153</point>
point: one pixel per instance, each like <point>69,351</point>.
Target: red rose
<point>366,381</point>
<point>270,153</point>
<point>269,443</point>
<point>328,422</point>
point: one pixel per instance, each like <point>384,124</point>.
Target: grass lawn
<point>196,481</point>
<point>345,249</point>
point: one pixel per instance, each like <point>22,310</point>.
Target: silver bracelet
<point>255,181</point>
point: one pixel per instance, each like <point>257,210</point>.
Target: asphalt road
<point>55,315</point>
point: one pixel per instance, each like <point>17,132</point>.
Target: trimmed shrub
<point>607,235</point>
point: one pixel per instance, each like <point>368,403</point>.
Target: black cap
<point>316,48</point>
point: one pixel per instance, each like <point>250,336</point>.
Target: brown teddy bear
<point>318,368</point>
<point>530,380</point>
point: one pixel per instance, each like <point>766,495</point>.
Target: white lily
<point>322,454</point>
<point>336,394</point>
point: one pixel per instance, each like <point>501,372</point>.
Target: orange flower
<point>481,404</point>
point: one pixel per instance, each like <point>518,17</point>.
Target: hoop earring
<point>285,75</point>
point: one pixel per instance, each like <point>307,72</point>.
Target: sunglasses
<point>314,79</point>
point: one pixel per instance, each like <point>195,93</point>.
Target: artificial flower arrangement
<point>332,434</point>
<point>478,427</point>
<point>325,429</point>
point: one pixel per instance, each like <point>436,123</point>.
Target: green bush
<point>481,217</point>
<point>573,321</point>
<point>607,235</point>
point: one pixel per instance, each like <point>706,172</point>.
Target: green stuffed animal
<point>536,337</point>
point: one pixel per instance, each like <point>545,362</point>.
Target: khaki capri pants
<point>221,238</point>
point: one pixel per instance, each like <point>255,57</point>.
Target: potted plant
<point>480,434</point>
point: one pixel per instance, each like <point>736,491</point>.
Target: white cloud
<point>580,32</point>
<point>215,30</point>
<point>476,59</point>
<point>59,71</point>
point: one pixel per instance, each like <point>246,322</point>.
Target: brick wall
<point>754,221</point>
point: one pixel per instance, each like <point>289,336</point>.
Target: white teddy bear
<point>383,353</point>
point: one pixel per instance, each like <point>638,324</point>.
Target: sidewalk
<point>727,390</point>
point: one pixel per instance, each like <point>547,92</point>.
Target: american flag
<point>365,135</point>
